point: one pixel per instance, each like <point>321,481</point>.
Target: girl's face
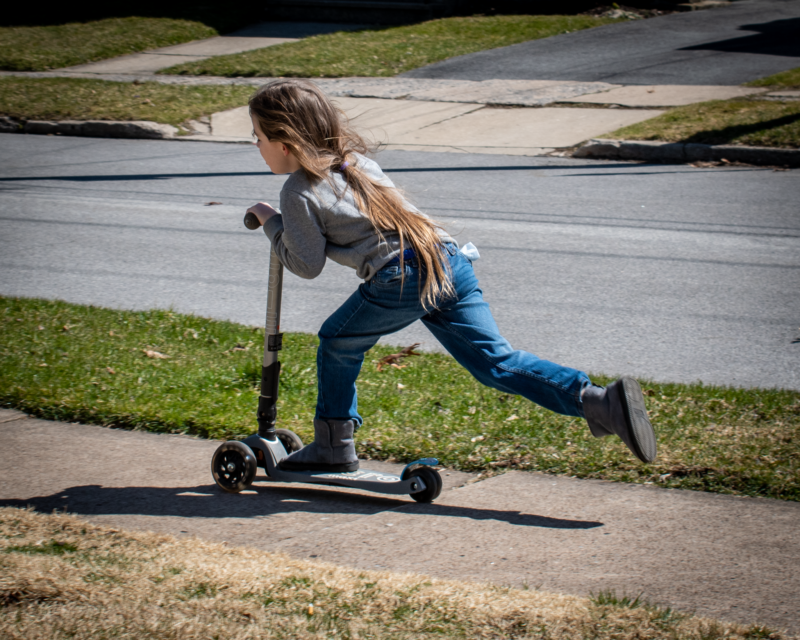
<point>275,154</point>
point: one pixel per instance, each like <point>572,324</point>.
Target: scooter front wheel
<point>233,466</point>
<point>433,484</point>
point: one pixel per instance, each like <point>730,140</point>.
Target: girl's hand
<point>262,211</point>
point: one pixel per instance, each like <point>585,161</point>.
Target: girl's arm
<point>297,235</point>
<point>263,211</point>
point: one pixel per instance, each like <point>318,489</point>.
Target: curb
<point>682,152</point>
<point>90,128</point>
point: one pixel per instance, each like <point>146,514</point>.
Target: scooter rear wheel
<point>233,466</point>
<point>289,439</point>
<point>433,484</point>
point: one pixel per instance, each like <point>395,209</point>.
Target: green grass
<point>785,80</point>
<point>77,99</point>
<point>53,47</point>
<point>761,123</point>
<point>387,52</point>
<point>76,363</point>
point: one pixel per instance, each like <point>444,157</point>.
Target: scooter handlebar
<point>251,221</point>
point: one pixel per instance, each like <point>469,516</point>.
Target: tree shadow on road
<point>777,38</point>
<point>207,501</point>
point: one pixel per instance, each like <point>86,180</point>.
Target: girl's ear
<point>285,150</point>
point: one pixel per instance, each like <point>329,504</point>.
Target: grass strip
<point>744,121</point>
<point>67,578</point>
<point>53,47</point>
<point>387,52</point>
<point>785,80</point>
<point>77,363</point>
<point>77,99</point>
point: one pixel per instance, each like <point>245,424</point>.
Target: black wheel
<point>433,484</point>
<point>233,466</point>
<point>289,439</point>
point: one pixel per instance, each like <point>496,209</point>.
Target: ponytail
<point>298,115</point>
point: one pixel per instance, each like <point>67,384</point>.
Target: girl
<point>338,204</point>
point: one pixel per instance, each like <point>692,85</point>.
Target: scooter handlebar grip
<point>251,221</point>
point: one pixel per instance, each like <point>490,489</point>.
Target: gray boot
<point>618,409</point>
<point>333,449</point>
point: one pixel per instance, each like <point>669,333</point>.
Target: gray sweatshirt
<point>316,222</point>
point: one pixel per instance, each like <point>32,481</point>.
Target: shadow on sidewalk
<point>207,501</point>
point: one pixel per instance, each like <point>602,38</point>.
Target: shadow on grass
<point>207,501</point>
<point>730,134</point>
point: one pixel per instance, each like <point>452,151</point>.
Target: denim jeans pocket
<point>387,276</point>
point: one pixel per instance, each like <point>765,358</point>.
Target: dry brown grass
<point>62,577</point>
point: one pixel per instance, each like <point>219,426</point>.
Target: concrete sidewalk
<point>257,36</point>
<point>456,127</point>
<point>731,558</point>
<point>460,116</point>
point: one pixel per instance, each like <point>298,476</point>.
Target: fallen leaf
<point>40,327</point>
<point>394,358</point>
<point>510,418</point>
<point>703,165</point>
<point>212,203</point>
<point>477,439</point>
<point>110,370</point>
<point>401,386</point>
<point>154,354</point>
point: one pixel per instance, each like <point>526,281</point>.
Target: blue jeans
<point>465,327</point>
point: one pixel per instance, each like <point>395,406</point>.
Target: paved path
<point>458,115</point>
<point>726,46</point>
<point>257,36</point>
<point>452,127</point>
<point>731,558</point>
<point>518,93</point>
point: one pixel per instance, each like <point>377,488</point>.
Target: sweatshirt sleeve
<point>298,236</point>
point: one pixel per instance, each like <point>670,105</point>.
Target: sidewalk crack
<point>478,107</point>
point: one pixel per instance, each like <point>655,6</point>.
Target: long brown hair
<point>297,114</point>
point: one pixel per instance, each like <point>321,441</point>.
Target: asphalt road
<point>665,272</point>
<point>727,46</point>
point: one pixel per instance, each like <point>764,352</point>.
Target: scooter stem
<point>273,338</point>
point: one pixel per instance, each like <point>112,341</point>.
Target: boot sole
<point>643,436</point>
<point>318,466</point>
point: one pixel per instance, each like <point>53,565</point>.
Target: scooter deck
<point>366,479</point>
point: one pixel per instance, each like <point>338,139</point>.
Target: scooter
<point>235,464</point>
